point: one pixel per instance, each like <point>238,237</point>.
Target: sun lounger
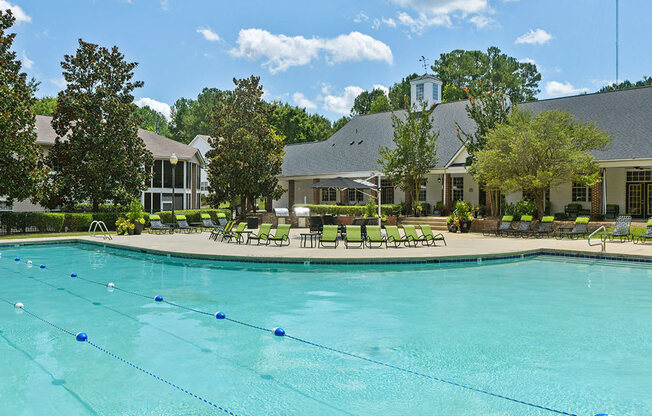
<point>393,236</point>
<point>329,235</point>
<point>375,236</point>
<point>155,225</point>
<point>353,236</point>
<point>426,232</point>
<point>544,230</point>
<point>221,230</point>
<point>263,233</point>
<point>235,233</point>
<point>580,229</point>
<point>621,229</point>
<point>505,224</point>
<point>281,235</point>
<point>523,227</point>
<point>648,233</point>
<point>182,223</point>
<point>412,237</point>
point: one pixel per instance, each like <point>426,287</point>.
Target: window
<point>354,195</point>
<point>167,174</point>
<point>204,186</point>
<point>329,195</point>
<point>148,202</point>
<point>386,192</point>
<point>639,176</point>
<point>422,191</point>
<point>458,189</point>
<point>156,202</point>
<point>435,92</point>
<point>178,175</point>
<point>158,174</point>
<point>419,92</point>
<point>580,193</point>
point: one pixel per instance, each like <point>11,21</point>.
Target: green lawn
<point>41,235</point>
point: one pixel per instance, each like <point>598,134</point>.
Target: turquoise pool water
<point>572,335</point>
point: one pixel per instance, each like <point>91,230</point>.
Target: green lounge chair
<point>505,225</point>
<point>207,222</point>
<point>235,233</point>
<point>621,229</point>
<point>412,237</point>
<point>580,229</point>
<point>523,227</point>
<point>353,236</point>
<point>156,226</point>
<point>644,237</point>
<point>329,235</point>
<point>182,223</point>
<point>221,230</point>
<point>393,236</point>
<point>426,232</point>
<point>281,235</point>
<point>263,233</point>
<point>544,230</point>
<point>374,235</point>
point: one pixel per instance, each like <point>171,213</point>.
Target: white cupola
<point>425,88</point>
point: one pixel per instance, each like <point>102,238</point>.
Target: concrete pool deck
<point>459,245</point>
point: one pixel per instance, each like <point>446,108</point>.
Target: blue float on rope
<point>220,315</point>
<point>82,337</point>
<point>42,266</point>
<point>73,274</point>
<point>158,298</point>
<point>17,259</point>
<point>279,332</point>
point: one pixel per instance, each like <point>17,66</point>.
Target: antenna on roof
<point>616,41</point>
<point>424,62</point>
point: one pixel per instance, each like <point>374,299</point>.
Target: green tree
<point>21,163</point>
<point>461,68</point>
<point>45,106</point>
<point>192,117</point>
<point>534,153</point>
<point>380,104</point>
<point>645,82</point>
<point>248,155</point>
<point>362,103</point>
<point>413,153</point>
<point>152,120</point>
<point>399,93</point>
<point>297,126</point>
<point>98,155</point>
<point>339,123</point>
<point>318,128</point>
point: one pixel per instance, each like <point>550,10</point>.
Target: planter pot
<point>138,228</point>
<point>452,228</point>
<point>130,231</point>
<point>465,226</point>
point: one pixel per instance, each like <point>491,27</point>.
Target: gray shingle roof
<point>626,114</point>
<point>161,147</point>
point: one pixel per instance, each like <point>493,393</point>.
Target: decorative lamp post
<point>173,161</point>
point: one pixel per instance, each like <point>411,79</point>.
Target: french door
<point>639,199</point>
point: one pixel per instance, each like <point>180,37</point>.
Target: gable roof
<point>625,114</point>
<point>160,146</point>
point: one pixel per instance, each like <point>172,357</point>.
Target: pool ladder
<point>603,239</point>
<point>101,227</point>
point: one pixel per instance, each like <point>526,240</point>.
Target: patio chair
<point>580,229</point>
<point>544,230</point>
<point>612,211</point>
<point>207,222</point>
<point>218,231</point>
<point>621,229</point>
<point>182,223</point>
<point>572,210</point>
<point>329,235</point>
<point>374,235</point>
<point>523,227</point>
<point>234,233</point>
<point>505,225</point>
<point>354,236</point>
<point>412,237</point>
<point>263,233</point>
<point>426,232</point>
<point>393,236</point>
<point>156,226</point>
<point>281,235</point>
<point>644,237</point>
<point>328,219</point>
<point>316,224</point>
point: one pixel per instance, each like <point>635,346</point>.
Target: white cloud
<point>556,89</point>
<point>435,7</point>
<point>423,21</point>
<point>534,37</point>
<point>159,106</point>
<point>208,34</point>
<point>301,100</point>
<point>27,63</point>
<point>165,5</point>
<point>341,104</point>
<point>528,61</point>
<point>430,13</point>
<point>58,82</point>
<point>18,13</point>
<point>383,21</point>
<point>382,88</point>
<point>282,52</point>
<point>481,21</point>
<point>361,17</point>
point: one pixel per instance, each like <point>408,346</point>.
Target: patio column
<point>290,194</point>
<point>344,197</point>
<point>268,204</point>
<point>448,181</point>
<point>374,192</point>
<point>315,193</point>
<point>596,199</point>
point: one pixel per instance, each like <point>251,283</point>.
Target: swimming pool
<point>570,335</point>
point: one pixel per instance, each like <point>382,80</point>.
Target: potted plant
<point>461,218</point>
<point>124,226</point>
<point>136,216</point>
<point>453,223</point>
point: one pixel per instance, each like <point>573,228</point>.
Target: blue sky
<point>319,55</point>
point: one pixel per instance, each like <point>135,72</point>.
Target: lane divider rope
<point>275,331</point>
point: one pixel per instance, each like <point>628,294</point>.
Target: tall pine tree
<point>21,166</point>
<point>98,155</point>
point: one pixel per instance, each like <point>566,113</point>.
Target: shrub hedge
<point>354,210</point>
<point>21,222</point>
<point>192,215</point>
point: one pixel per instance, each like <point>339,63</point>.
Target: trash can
<point>252,222</point>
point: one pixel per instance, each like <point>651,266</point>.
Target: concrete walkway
<point>459,245</point>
